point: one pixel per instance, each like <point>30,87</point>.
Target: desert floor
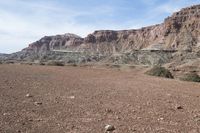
<point>50,99</point>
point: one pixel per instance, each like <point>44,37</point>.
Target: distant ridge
<point>174,43</point>
<point>181,31</point>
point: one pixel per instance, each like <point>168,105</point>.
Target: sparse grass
<point>30,63</point>
<point>9,62</point>
<point>41,63</point>
<point>55,63</point>
<point>74,64</point>
<point>131,67</point>
<point>160,72</point>
<point>192,77</point>
<point>115,66</point>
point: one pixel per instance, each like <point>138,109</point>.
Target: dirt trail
<point>84,100</point>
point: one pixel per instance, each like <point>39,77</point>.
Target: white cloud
<point>28,21</point>
<point>167,8</point>
<point>18,30</point>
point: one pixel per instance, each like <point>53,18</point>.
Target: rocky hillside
<point>175,42</point>
<point>58,42</point>
<point>3,56</point>
<point>181,31</point>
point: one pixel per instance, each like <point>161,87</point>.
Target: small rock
<point>6,114</point>
<point>193,131</point>
<point>179,107</point>
<point>169,95</point>
<point>71,97</point>
<point>38,103</point>
<point>118,118</point>
<point>18,131</point>
<point>160,119</point>
<point>31,120</point>
<point>39,120</point>
<point>108,111</point>
<point>109,128</point>
<point>28,95</point>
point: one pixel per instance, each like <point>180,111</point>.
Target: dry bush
<point>160,72</point>
<point>55,63</point>
<point>192,77</point>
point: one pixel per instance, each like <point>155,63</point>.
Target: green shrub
<point>9,62</point>
<point>160,72</point>
<point>193,77</point>
<point>55,63</point>
<point>73,64</point>
<point>42,63</point>
<point>29,63</point>
<point>115,66</point>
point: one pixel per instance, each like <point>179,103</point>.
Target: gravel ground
<point>47,99</point>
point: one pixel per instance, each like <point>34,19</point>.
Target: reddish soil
<point>84,100</point>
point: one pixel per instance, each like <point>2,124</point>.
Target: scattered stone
<point>39,120</point>
<point>118,118</point>
<point>6,114</point>
<point>28,95</point>
<point>168,94</point>
<point>99,119</point>
<point>132,129</point>
<point>18,131</point>
<point>71,97</point>
<point>108,111</point>
<point>31,120</point>
<point>38,103</point>
<point>193,131</point>
<point>109,128</point>
<point>128,105</point>
<point>148,103</point>
<point>160,119</point>
<point>179,107</point>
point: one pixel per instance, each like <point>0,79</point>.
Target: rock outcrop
<point>179,33</point>
<point>58,42</point>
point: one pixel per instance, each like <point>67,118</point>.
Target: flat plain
<point>50,99</point>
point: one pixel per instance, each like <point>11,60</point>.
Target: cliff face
<point>58,42</point>
<point>123,41</point>
<point>181,31</point>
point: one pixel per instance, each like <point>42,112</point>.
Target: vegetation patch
<point>72,64</point>
<point>192,77</point>
<point>115,66</point>
<point>42,63</point>
<point>9,62</point>
<point>55,63</point>
<point>160,72</point>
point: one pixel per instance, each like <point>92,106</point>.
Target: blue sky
<point>25,21</point>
